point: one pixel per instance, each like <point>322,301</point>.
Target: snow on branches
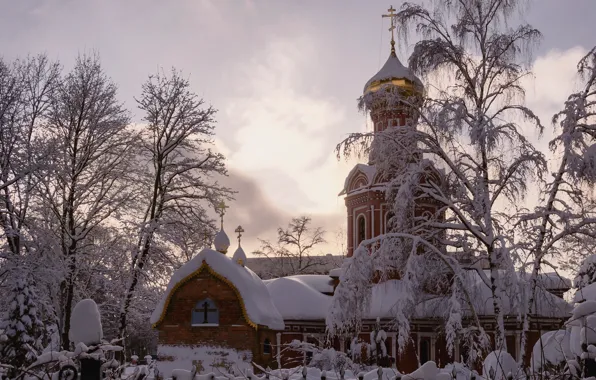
<point>467,150</point>
<point>23,330</point>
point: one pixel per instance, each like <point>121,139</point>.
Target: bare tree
<point>179,169</point>
<point>90,182</point>
<point>26,90</point>
<point>293,252</point>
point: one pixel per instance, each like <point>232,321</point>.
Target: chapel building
<point>216,307</point>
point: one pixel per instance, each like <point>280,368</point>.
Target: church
<point>216,312</point>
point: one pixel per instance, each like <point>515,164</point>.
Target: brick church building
<point>216,306</point>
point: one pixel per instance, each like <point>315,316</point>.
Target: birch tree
<point>470,134</point>
<point>180,169</point>
<point>90,183</point>
<point>565,218</point>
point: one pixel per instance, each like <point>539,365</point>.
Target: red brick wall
<point>233,330</point>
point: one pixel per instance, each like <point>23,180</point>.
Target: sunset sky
<point>284,75</point>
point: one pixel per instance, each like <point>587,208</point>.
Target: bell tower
<point>364,189</point>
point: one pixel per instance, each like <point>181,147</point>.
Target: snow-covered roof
<point>256,302</point>
<point>546,304</point>
<point>393,69</point>
<point>296,300</point>
<point>309,303</point>
<point>368,170</point>
<point>320,282</point>
<point>274,267</point>
<point>551,280</point>
<point>336,272</point>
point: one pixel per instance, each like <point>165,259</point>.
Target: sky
<point>285,76</point>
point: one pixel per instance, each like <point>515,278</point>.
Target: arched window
<point>361,229</point>
<point>267,346</point>
<point>205,312</point>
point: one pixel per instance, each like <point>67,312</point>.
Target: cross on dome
<point>239,230</point>
<point>221,211</point>
<point>391,16</point>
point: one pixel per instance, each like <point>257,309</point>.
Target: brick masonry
<point>233,330</point>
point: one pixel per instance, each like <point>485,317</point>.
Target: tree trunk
<point>136,272</point>
<point>69,298</point>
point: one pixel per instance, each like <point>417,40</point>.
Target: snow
<point>369,172</point>
<point>550,280</point>
<point>51,357</point>
<point>586,272</point>
<point>393,69</point>
<point>321,283</point>
<point>501,363</point>
<point>308,303</point>
<point>552,348</point>
<point>85,323</point>
<point>239,256</point>
<point>313,373</point>
<point>384,296</point>
<point>296,299</point>
<point>428,370</point>
<point>210,359</point>
<point>256,298</point>
<point>588,330</point>
<point>584,309</point>
<point>221,241</point>
<point>548,305</point>
<point>587,293</point>
<point>336,272</point>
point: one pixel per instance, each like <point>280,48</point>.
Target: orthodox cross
<point>239,231</point>
<point>221,210</point>
<point>205,309</point>
<point>391,16</point>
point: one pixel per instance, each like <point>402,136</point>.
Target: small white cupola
<point>239,256</point>
<point>221,241</point>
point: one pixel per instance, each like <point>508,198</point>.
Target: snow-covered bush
<point>205,359</point>
<point>551,352</point>
<point>586,274</point>
<point>500,365</point>
<point>85,323</point>
<point>377,349</point>
<point>325,359</point>
<point>328,359</point>
<point>23,329</point>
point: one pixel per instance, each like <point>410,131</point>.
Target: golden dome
<point>394,73</point>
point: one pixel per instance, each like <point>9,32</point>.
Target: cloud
<point>260,218</point>
<point>285,130</point>
<point>555,78</point>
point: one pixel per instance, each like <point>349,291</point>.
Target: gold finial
<point>391,16</point>
<point>239,231</point>
<point>221,210</point>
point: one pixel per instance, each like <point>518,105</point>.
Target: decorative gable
<point>168,307</point>
<point>257,306</point>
